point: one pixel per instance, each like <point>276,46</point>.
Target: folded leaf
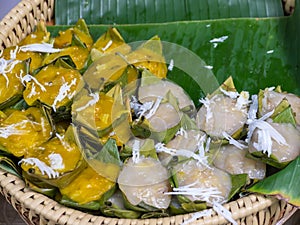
<point>7,164</point>
<point>283,184</point>
<point>107,160</point>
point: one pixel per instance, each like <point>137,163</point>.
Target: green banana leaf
<point>109,153</point>
<point>239,181</point>
<point>93,206</point>
<point>148,11</point>
<point>286,116</point>
<point>107,161</point>
<point>8,163</point>
<point>114,207</point>
<point>283,185</point>
<point>258,52</point>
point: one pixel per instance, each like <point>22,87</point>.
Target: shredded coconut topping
<point>62,141</point>
<point>12,129</point>
<point>139,108</point>
<point>206,102</point>
<point>200,144</point>
<point>242,100</point>
<point>221,210</point>
<point>111,134</point>
<point>232,141</point>
<point>215,41</point>
<point>45,169</point>
<point>202,159</point>
<point>220,39</point>
<point>147,109</point>
<point>160,147</point>
<point>56,161</point>
<point>136,151</point>
<point>107,45</point>
<point>43,48</point>
<point>28,78</point>
<point>208,67</point>
<point>13,53</point>
<point>231,94</point>
<point>6,66</point>
<point>64,92</point>
<point>182,132</point>
<point>253,108</point>
<point>265,134</point>
<point>207,144</point>
<point>154,108</point>
<point>43,122</point>
<point>171,65</point>
<point>197,215</point>
<point>3,65</point>
<point>93,101</point>
<point>32,91</point>
<point>265,96</point>
<point>210,194</point>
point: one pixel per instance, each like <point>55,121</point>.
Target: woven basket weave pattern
<point>36,208</point>
<point>22,19</point>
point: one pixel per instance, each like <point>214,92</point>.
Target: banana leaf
<point>145,11</point>
<point>8,163</point>
<point>40,186</point>
<point>286,117</point>
<point>239,181</point>
<point>121,213</point>
<point>20,105</point>
<point>114,207</point>
<point>109,153</point>
<point>93,206</point>
<point>258,52</point>
<point>107,161</point>
<point>283,184</point>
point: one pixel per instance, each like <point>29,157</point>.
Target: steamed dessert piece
<point>145,181</point>
<point>235,161</point>
<point>271,98</point>
<point>221,114</point>
<point>283,146</point>
<point>192,174</point>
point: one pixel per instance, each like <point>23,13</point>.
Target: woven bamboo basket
<point>36,208</point>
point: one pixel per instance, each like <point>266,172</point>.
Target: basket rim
<point>22,19</point>
<point>15,191</point>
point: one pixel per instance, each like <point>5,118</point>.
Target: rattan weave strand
<point>36,208</point>
<point>22,19</point>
